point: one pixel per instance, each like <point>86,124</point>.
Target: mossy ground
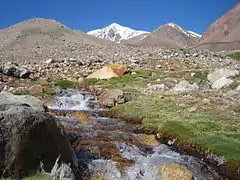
<point>235,55</point>
<point>134,82</point>
<point>66,84</point>
<point>209,128</point>
<point>49,87</point>
<point>37,176</point>
<point>214,126</point>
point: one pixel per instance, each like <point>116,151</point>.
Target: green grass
<point>208,129</point>
<point>66,84</point>
<point>133,82</point>
<point>49,90</point>
<point>235,55</point>
<point>21,93</point>
<point>39,176</point>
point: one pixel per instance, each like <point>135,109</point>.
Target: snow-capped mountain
<point>186,32</point>
<point>115,33</point>
<point>168,35</point>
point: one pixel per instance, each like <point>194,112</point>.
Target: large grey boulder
<point>112,97</point>
<point>13,69</point>
<point>238,88</point>
<point>219,73</point>
<point>8,99</point>
<point>222,82</point>
<point>29,136</point>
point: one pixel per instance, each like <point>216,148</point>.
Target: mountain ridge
<point>223,34</point>
<point>118,33</point>
<point>168,35</point>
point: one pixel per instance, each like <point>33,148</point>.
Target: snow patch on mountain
<point>178,27</point>
<point>188,33</point>
<point>195,34</point>
<point>115,33</point>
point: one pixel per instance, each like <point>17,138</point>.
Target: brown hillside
<point>224,33</point>
<point>37,39</point>
<point>169,36</point>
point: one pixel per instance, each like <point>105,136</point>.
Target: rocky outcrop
<point>175,172</point>
<point>221,77</point>
<point>222,82</point>
<point>13,69</point>
<point>219,73</point>
<point>112,97</point>
<point>29,136</point>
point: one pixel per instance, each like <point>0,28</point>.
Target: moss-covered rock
<point>175,172</point>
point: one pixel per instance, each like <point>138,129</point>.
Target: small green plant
<point>39,176</point>
<point>235,55</point>
<point>236,109</point>
<point>49,90</point>
<point>66,84</point>
<point>20,93</point>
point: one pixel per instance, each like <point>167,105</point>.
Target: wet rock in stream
<point>28,136</point>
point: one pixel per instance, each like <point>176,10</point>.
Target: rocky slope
<point>169,35</point>
<point>223,34</point>
<point>115,32</point>
<point>48,48</point>
<point>39,38</point>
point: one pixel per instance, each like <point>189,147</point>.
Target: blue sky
<point>85,15</point>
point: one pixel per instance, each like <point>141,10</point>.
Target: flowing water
<point>110,149</point>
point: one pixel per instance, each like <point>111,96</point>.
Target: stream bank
<point>185,128</point>
<point>110,148</point>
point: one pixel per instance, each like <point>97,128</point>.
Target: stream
<point>110,149</point>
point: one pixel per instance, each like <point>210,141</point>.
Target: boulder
<point>185,86</point>
<point>219,73</point>
<point>110,98</point>
<point>175,172</point>
<point>206,101</point>
<point>8,99</point>
<point>36,90</point>
<point>49,61</point>
<point>81,81</point>
<point>157,87</point>
<point>13,69</point>
<point>238,88</point>
<point>28,136</point>
<point>222,82</point>
<point>108,72</point>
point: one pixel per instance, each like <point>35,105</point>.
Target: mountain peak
<point>115,25</point>
<point>115,32</point>
<point>173,24</point>
<point>186,32</point>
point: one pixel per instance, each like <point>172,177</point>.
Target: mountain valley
<point>119,103</point>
